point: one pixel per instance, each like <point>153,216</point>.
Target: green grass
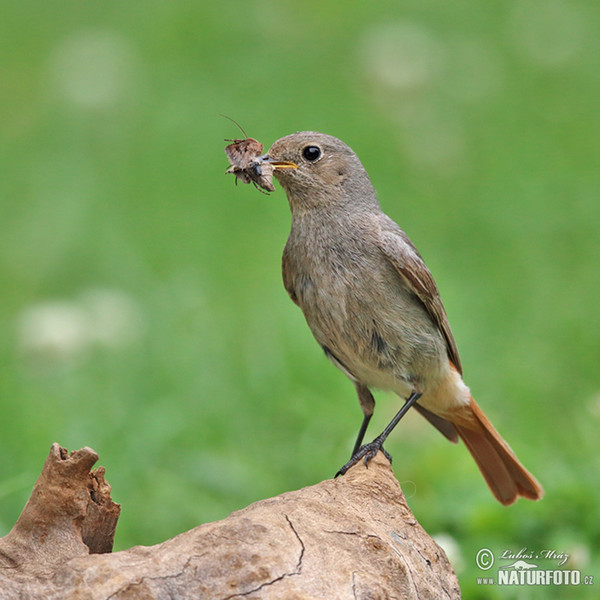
<point>182,361</point>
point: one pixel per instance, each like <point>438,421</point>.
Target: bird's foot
<point>366,452</point>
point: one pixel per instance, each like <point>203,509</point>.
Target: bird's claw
<point>366,452</point>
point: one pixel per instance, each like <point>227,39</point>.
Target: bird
<point>374,308</point>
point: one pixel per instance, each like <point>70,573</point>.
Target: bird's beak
<point>276,164</point>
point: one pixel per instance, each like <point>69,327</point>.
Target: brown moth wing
<point>241,153</point>
<point>239,173</point>
<point>260,175</point>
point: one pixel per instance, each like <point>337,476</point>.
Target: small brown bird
<point>373,306</point>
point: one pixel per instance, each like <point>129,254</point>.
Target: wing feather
<point>403,255</point>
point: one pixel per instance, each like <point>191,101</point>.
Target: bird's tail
<point>507,478</point>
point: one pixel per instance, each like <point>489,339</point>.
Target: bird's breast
<point>360,310</point>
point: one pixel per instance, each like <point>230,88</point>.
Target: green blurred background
<point>142,311</point>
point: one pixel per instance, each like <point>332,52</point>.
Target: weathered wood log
<point>352,537</point>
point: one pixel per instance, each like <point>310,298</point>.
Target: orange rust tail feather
<point>507,478</point>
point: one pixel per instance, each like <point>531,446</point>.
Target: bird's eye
<point>312,153</point>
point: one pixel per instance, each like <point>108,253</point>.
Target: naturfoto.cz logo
<point>524,568</point>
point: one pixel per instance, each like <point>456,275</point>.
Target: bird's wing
<point>402,254</point>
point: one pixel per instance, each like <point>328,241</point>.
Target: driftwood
<point>353,537</point>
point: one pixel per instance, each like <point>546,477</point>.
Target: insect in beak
<point>249,166</point>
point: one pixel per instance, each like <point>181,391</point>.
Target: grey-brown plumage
<point>373,306</point>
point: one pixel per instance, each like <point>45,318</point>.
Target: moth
<point>244,158</point>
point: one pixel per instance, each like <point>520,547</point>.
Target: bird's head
<point>316,169</point>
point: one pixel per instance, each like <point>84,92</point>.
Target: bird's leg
<point>361,433</point>
<point>367,404</point>
<point>368,451</point>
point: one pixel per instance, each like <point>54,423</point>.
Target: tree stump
<point>353,537</point>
